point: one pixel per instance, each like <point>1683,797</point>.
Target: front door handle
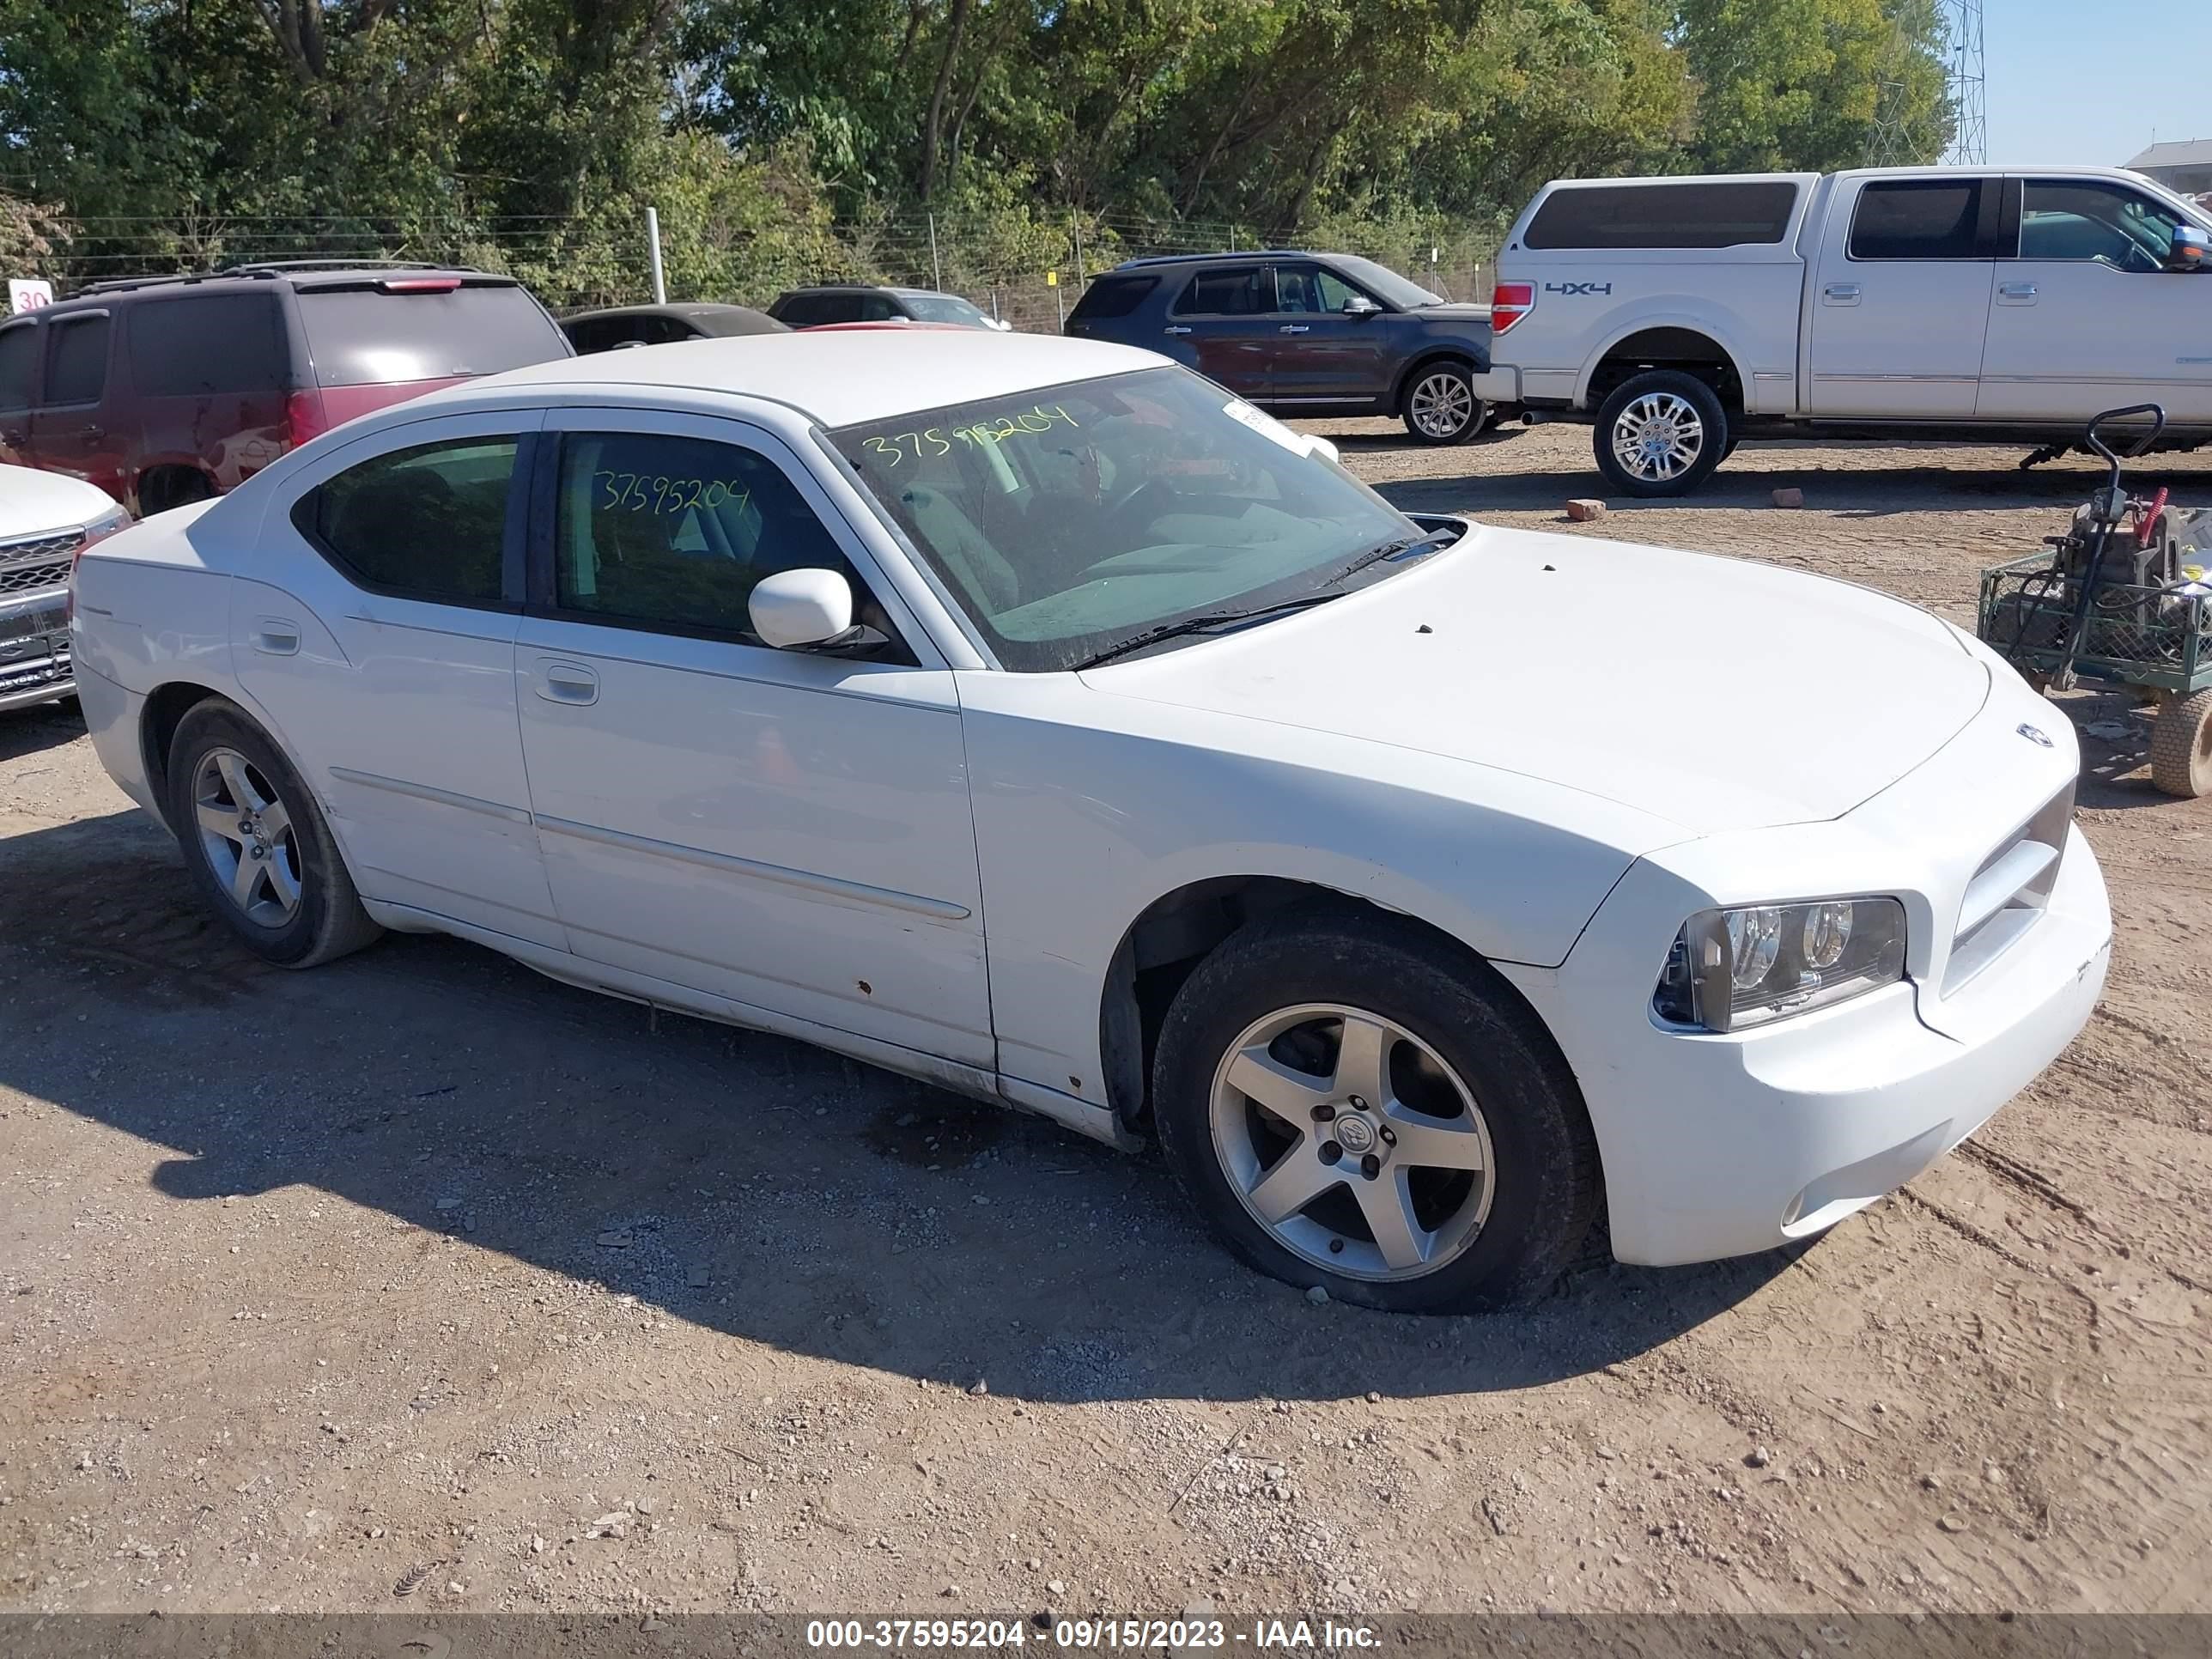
<point>276,636</point>
<point>1294,328</point>
<point>1841,293</point>
<point>1175,328</point>
<point>568,681</point>
<point>2015,294</point>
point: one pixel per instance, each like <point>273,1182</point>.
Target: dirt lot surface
<point>421,1280</point>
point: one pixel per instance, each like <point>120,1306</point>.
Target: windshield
<point>944,308</point>
<point>1388,285</point>
<point>1068,520</point>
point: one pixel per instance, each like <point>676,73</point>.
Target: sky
<point>2087,84</point>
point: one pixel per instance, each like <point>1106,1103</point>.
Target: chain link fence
<point>1025,269</point>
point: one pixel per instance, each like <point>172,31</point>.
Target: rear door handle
<point>92,432</point>
<point>1841,293</point>
<point>276,636</point>
<point>2015,294</point>
<point>1175,328</point>
<point>1294,328</point>
<point>568,682</point>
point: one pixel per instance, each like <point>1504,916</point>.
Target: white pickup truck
<point>1678,315</point>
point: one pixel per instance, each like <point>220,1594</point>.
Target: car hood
<point>1453,310</point>
<point>1718,693</point>
<point>33,503</point>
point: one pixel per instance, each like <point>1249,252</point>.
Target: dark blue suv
<point>1304,334</point>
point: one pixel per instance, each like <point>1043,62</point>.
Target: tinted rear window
<point>77,372</point>
<point>1238,291</point>
<point>1917,219</point>
<point>365,336</point>
<point>18,355</point>
<point>1611,216</point>
<point>213,343</point>
<point>1112,296</point>
<point>812,310</point>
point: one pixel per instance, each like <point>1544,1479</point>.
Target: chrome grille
<point>2009,890</point>
<point>23,578</point>
<point>43,550</point>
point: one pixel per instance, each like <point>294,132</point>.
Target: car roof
<point>707,311</point>
<point>307,273</point>
<point>1151,261</point>
<point>871,287</point>
<point>839,378</point>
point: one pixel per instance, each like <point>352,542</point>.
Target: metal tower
<point>1964,83</point>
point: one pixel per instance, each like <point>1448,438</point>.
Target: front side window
<point>424,523</point>
<point>1068,520</point>
<point>657,530</point>
<point>2085,221</point>
<point>77,368</point>
<point>1310,288</point>
<point>1918,219</point>
<point>1234,291</point>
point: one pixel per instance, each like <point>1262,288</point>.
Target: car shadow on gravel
<point>1750,477</point>
<point>40,726</point>
<point>751,1185</point>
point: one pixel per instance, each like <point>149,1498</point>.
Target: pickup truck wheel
<point>1352,1106</point>
<point>1660,433</point>
<point>256,843</point>
<point>1440,407</point>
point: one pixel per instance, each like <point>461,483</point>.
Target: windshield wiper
<point>1397,549</point>
<point>1211,620</point>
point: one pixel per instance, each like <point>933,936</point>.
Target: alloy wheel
<point>246,833</point>
<point>1658,437</point>
<point>1442,405</point>
<point>1352,1143</point>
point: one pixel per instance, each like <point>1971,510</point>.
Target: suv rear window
<point>1917,219</point>
<point>209,343</point>
<point>367,336</point>
<point>1112,296</point>
<point>1693,216</point>
<point>1236,291</point>
<point>76,361</point>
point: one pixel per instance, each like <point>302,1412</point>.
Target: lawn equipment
<point>2122,601</point>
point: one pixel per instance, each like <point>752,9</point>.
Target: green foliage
<point>783,143</point>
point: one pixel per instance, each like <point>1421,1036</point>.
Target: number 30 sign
<point>28,294</point>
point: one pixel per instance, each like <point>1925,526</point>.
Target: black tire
<point>327,920</point>
<point>1675,391</point>
<point>2181,746</point>
<point>1545,1192</point>
<point>1440,407</point>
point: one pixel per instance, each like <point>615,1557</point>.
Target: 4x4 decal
<point>1575,290</point>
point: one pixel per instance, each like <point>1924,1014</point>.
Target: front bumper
<point>34,648</point>
<point>1721,1145</point>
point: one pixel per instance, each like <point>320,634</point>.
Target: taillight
<point>1509,304</point>
<point>304,417</point>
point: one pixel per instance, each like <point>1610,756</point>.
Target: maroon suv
<point>172,389</point>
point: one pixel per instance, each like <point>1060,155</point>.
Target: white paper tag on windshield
<point>1267,427</point>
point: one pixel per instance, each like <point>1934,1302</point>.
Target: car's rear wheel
<point>1440,407</point>
<point>1660,433</point>
<point>255,842</point>
<point>1353,1106</point>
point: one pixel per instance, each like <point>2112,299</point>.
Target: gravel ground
<point>420,1280</point>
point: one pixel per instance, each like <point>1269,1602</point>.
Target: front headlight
<point>1742,967</point>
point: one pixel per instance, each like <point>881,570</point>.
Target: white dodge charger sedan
<point>1030,716</point>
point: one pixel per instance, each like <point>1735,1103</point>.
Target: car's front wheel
<point>1440,407</point>
<point>1353,1105</point>
<point>256,843</point>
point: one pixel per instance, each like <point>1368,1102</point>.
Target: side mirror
<point>2189,251</point>
<point>1360,306</point>
<point>794,609</point>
